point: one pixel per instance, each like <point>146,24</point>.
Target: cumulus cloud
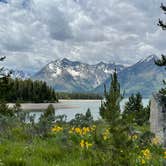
<point>34,32</point>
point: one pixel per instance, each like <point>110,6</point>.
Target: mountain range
<point>17,74</point>
<point>73,76</point>
<point>144,77</point>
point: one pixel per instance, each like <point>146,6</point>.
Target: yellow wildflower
<point>85,130</point>
<point>82,144</point>
<point>57,129</point>
<point>106,134</point>
<point>78,130</point>
<point>146,154</point>
<point>143,161</point>
<point>87,144</point>
<point>93,128</point>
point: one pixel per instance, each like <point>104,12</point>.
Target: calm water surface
<point>80,106</point>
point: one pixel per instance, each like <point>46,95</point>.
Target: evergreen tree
<point>118,127</point>
<point>49,113</point>
<point>4,82</point>
<point>45,122</point>
<point>30,91</point>
<point>162,61</point>
<point>134,111</point>
<point>110,107</point>
<point>82,120</point>
<point>6,111</point>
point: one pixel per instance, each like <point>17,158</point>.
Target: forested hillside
<point>90,96</point>
<point>29,91</point>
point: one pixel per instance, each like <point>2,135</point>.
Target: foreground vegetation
<point>118,139</point>
<point>83,143</point>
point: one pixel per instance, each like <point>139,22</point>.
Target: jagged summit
<point>17,74</point>
<point>74,76</point>
<point>70,76</point>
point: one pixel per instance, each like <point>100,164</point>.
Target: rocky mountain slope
<point>74,76</point>
<point>144,77</point>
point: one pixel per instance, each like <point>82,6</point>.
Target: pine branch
<point>161,24</point>
<point>162,61</point>
<point>2,58</point>
<point>163,7</point>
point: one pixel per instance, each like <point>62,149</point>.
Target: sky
<point>35,32</point>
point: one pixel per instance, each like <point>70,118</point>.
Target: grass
<point>39,152</point>
<point>62,147</point>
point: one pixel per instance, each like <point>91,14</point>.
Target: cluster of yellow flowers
<point>106,134</point>
<point>155,141</point>
<point>57,129</point>
<point>82,131</point>
<point>85,144</point>
<point>146,154</point>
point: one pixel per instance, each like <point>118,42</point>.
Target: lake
<point>72,107</point>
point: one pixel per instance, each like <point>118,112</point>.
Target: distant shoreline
<point>62,104</point>
<point>43,106</point>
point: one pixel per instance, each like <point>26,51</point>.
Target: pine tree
<point>4,82</point>
<point>111,113</point>
<point>134,111</point>
<point>162,61</point>
<point>110,107</point>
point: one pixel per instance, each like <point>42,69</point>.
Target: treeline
<point>90,96</point>
<point>29,91</point>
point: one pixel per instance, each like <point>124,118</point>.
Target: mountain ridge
<point>80,76</point>
<point>74,76</point>
<point>144,77</point>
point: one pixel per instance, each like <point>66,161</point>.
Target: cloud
<point>34,32</point>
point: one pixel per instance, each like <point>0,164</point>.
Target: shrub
<point>82,120</point>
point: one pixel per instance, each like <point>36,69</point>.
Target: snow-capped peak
<point>17,74</point>
<point>148,59</point>
<point>76,73</point>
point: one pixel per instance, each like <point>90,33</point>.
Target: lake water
<point>72,107</point>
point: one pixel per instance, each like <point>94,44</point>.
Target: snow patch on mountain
<point>74,75</point>
<point>17,74</point>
